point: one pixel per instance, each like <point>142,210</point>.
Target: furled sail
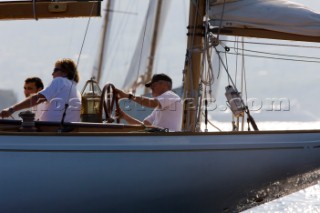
<point>280,16</point>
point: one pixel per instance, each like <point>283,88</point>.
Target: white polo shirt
<point>169,115</point>
<point>58,93</point>
<point>38,110</point>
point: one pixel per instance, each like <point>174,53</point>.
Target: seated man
<point>167,105</point>
<point>34,85</point>
<point>61,95</point>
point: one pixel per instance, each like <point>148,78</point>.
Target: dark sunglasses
<point>28,88</point>
<point>56,70</point>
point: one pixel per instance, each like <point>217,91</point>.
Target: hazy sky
<point>294,83</point>
<point>30,48</point>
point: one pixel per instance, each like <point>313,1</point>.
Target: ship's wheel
<point>109,103</point>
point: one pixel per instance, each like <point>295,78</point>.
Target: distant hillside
<point>7,98</point>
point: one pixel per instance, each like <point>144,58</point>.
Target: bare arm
<point>28,102</point>
<point>128,118</point>
<point>142,100</point>
<point>147,123</point>
<point>131,120</point>
<point>147,102</point>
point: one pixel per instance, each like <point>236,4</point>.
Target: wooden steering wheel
<point>109,99</point>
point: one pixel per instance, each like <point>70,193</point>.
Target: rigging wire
<point>143,40</point>
<point>244,74</point>
<point>244,90</point>
<point>207,76</point>
<point>84,37</point>
<point>226,69</point>
<point>277,58</point>
<point>115,42</point>
<point>202,71</point>
<point>250,119</point>
<point>221,18</point>
<point>242,52</point>
<point>203,75</point>
<point>77,65</point>
<point>122,12</point>
<point>278,54</point>
<point>274,44</point>
<point>236,49</point>
<point>226,66</point>
<point>213,124</point>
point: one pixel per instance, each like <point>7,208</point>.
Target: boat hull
<point>170,172</point>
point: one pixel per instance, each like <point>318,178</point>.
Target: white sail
<point>149,36</point>
<point>102,167</point>
<point>104,41</point>
<point>275,15</point>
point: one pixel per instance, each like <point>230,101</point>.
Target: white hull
<point>122,171</point>
<point>146,172</point>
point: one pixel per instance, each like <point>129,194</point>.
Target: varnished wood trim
<point>46,9</point>
<point>260,33</point>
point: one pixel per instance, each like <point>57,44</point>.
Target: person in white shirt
<point>31,86</point>
<point>60,94</point>
<point>167,105</point>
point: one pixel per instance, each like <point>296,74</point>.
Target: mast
<point>193,65</point>
<point>103,42</point>
<point>154,45</point>
<point>142,64</point>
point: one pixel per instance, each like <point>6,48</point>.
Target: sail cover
<point>275,15</point>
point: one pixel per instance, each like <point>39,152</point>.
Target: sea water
<point>304,201</point>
